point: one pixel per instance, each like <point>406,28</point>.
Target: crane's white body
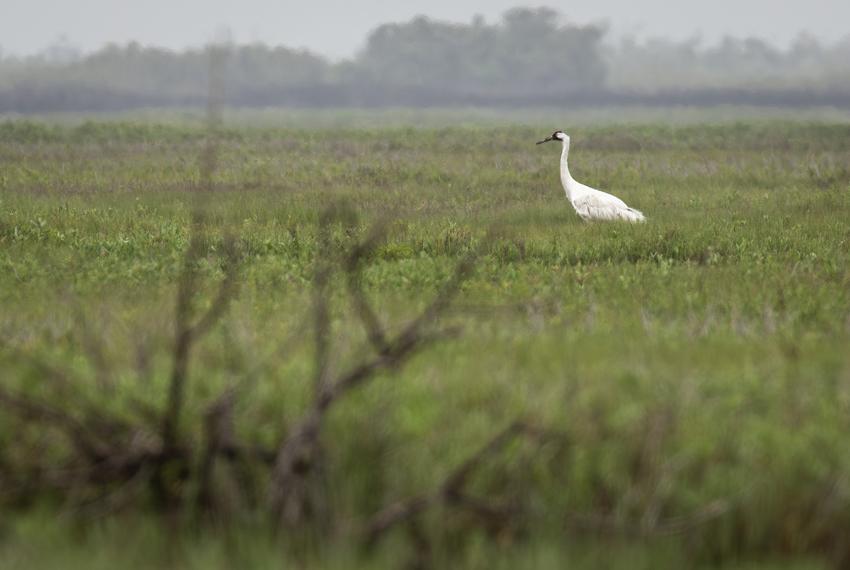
<point>590,203</point>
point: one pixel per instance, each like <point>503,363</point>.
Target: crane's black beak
<point>547,139</point>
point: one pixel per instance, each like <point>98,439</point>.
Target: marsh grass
<point>700,357</point>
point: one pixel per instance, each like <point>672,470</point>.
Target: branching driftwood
<point>107,449</point>
<point>187,335</point>
<point>289,494</point>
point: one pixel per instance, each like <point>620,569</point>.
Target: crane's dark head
<point>556,136</point>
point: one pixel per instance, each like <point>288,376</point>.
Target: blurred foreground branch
<point>289,494</point>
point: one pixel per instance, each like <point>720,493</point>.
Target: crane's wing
<point>597,205</point>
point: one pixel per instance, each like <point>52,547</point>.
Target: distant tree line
<point>531,57</point>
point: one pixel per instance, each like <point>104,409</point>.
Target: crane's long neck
<point>566,177</point>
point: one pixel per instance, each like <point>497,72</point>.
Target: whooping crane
<point>589,203</point>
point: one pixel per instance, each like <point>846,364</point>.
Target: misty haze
<point>525,57</point>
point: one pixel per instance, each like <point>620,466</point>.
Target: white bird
<point>590,203</point>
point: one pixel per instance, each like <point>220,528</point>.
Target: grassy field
<point>694,369</point>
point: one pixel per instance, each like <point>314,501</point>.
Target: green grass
<point>135,543</point>
<point>701,356</point>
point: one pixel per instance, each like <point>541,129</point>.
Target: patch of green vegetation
<point>698,358</point>
<point>38,541</point>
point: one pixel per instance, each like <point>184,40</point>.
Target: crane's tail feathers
<point>635,215</point>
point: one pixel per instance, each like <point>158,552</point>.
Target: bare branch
<point>353,266</point>
<point>398,352</point>
<point>411,338</point>
<point>218,433</point>
<point>226,292</point>
<point>30,408</point>
<point>321,306</point>
<point>396,513</point>
<point>461,272</point>
<point>451,489</point>
<point>665,527</point>
<point>289,487</point>
<point>186,333</point>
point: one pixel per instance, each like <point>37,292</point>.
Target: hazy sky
<point>338,27</point>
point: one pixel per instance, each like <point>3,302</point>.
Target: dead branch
<point>458,478</point>
<point>220,442</point>
<point>93,418</point>
<point>413,337</point>
<point>290,485</point>
<point>187,335</point>
<point>108,450</point>
<point>187,332</point>
<point>111,451</point>
<point>112,500</point>
<point>218,433</point>
<point>686,523</point>
<point>321,306</point>
<point>226,291</point>
<point>79,434</point>
<point>452,489</point>
<point>182,344</point>
<point>606,524</point>
<point>353,267</point>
